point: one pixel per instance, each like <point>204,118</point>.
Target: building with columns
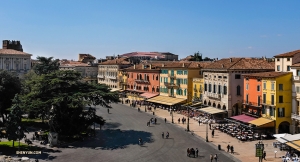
<point>12,57</point>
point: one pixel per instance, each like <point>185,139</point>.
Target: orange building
<point>252,96</point>
<point>142,81</point>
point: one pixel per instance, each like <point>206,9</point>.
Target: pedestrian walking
<point>264,155</point>
<point>209,126</point>
<point>188,152</point>
<point>199,122</point>
<point>213,133</point>
<point>165,120</point>
<point>216,157</point>
<point>228,148</point>
<point>163,135</point>
<point>108,110</point>
<point>182,120</point>
<point>197,151</point>
<point>232,149</point>
<point>155,120</point>
<point>211,158</point>
<point>178,120</point>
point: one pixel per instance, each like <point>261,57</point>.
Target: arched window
<point>219,89</point>
<point>214,90</point>
<point>225,89</point>
<point>238,90</point>
<point>209,87</point>
<point>205,86</point>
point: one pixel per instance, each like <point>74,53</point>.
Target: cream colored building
<point>108,72</point>
<point>283,62</point>
<point>15,61</point>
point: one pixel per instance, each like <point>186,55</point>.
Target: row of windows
<point>178,91</point>
<point>280,99</point>
<point>144,76</point>
<point>271,111</point>
<point>217,88</point>
<point>178,72</point>
<point>178,81</point>
<point>280,87</point>
<point>16,67</point>
<point>288,68</point>
<point>219,77</point>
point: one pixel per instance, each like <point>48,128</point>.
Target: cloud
<point>250,47</point>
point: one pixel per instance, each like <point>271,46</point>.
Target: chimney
<point>150,66</point>
<point>163,65</point>
<point>198,65</point>
<point>222,65</point>
<point>230,59</point>
<point>143,66</point>
<point>134,66</point>
<point>182,64</point>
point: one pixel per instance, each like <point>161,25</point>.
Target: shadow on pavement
<point>110,139</point>
<point>111,125</point>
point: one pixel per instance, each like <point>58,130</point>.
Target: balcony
<point>101,76</point>
<point>254,104</point>
<point>213,95</point>
<point>271,103</point>
<point>195,90</point>
<point>171,85</point>
<point>172,76</point>
<point>252,112</point>
<point>295,116</point>
<point>141,81</point>
<point>297,78</point>
<point>112,77</point>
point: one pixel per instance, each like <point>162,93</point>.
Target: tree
<point>14,129</point>
<point>65,95</point>
<point>46,65</point>
<point>197,56</point>
<point>10,85</point>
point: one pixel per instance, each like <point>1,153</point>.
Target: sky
<point>216,28</point>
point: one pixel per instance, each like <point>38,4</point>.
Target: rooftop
<point>296,65</point>
<point>242,64</point>
<point>66,63</point>
<point>117,61</point>
<point>272,74</point>
<point>288,54</point>
<point>12,52</point>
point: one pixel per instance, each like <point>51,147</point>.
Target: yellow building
<point>198,84</point>
<point>176,82</point>
<point>276,99</point>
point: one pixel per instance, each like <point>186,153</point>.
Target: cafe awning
<point>212,110</point>
<point>262,122</point>
<point>165,100</point>
<point>115,89</point>
<point>243,118</point>
<point>294,144</point>
<point>196,104</point>
<point>148,95</point>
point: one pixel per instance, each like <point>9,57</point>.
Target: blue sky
<point>215,28</point>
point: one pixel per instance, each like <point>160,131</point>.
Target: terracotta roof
<point>296,65</point>
<point>118,61</point>
<point>147,54</point>
<point>11,51</point>
<point>288,54</point>
<point>272,74</point>
<point>73,63</point>
<point>241,63</point>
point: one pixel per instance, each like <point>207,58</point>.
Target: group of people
<point>231,148</point>
<point>183,120</point>
<point>153,121</point>
<point>212,157</point>
<point>163,135</point>
<point>192,152</point>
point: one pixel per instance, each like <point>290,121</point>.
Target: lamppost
<point>188,122</point>
<point>172,113</point>
<point>259,150</point>
<point>19,127</point>
<point>207,131</point>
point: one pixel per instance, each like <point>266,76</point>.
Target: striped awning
<point>212,110</point>
<point>165,100</point>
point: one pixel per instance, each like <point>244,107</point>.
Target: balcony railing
<point>266,102</point>
<point>296,77</point>
<point>141,81</point>
<point>172,76</point>
<point>170,85</point>
<point>111,77</point>
<point>256,104</point>
<point>101,76</point>
<point>213,95</point>
<point>251,112</point>
<point>295,116</point>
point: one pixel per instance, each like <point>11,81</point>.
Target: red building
<point>143,80</point>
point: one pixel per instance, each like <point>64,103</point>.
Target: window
<point>185,81</point>
<point>237,76</point>
<point>278,59</point>
<point>288,59</point>
<point>280,99</point>
<point>281,112</point>
<point>200,88</point>
<point>264,98</point>
<point>278,67</point>
<point>298,89</point>
<point>205,75</point>
<point>185,92</point>
<point>247,86</point>
<point>225,90</point>
<point>298,72</point>
<point>280,87</point>
<point>205,87</point>
<point>220,77</point>
<point>258,100</point>
<point>272,99</point>
<point>219,89</point>
<point>258,88</point>
<point>7,66</point>
<point>214,89</point>
<point>272,86</point>
<point>288,68</point>
<point>264,85</point>
<point>247,78</point>
<point>25,66</point>
<point>160,79</point>
<point>247,97</point>
<point>224,77</point>
<point>209,87</point>
<point>238,90</point>
<point>185,72</point>
<point>271,111</point>
<point>263,109</point>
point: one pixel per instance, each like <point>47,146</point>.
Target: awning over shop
<point>165,100</point>
<point>148,95</point>
<point>262,122</point>
<point>196,104</point>
<point>243,118</point>
<point>290,138</point>
<point>280,135</point>
<point>294,144</point>
<point>212,110</point>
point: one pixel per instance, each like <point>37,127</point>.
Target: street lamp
<point>188,122</point>
<point>207,131</point>
<point>172,114</point>
<point>259,149</point>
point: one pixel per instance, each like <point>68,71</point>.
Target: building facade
<point>12,58</point>
<point>198,84</point>
<point>108,72</point>
<point>295,68</point>
<point>283,62</point>
<point>273,93</point>
<point>137,57</point>
<point>223,83</point>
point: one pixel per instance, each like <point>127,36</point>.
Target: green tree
<point>65,95</point>
<point>10,85</point>
<point>14,129</point>
<point>46,65</point>
<point>197,56</point>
